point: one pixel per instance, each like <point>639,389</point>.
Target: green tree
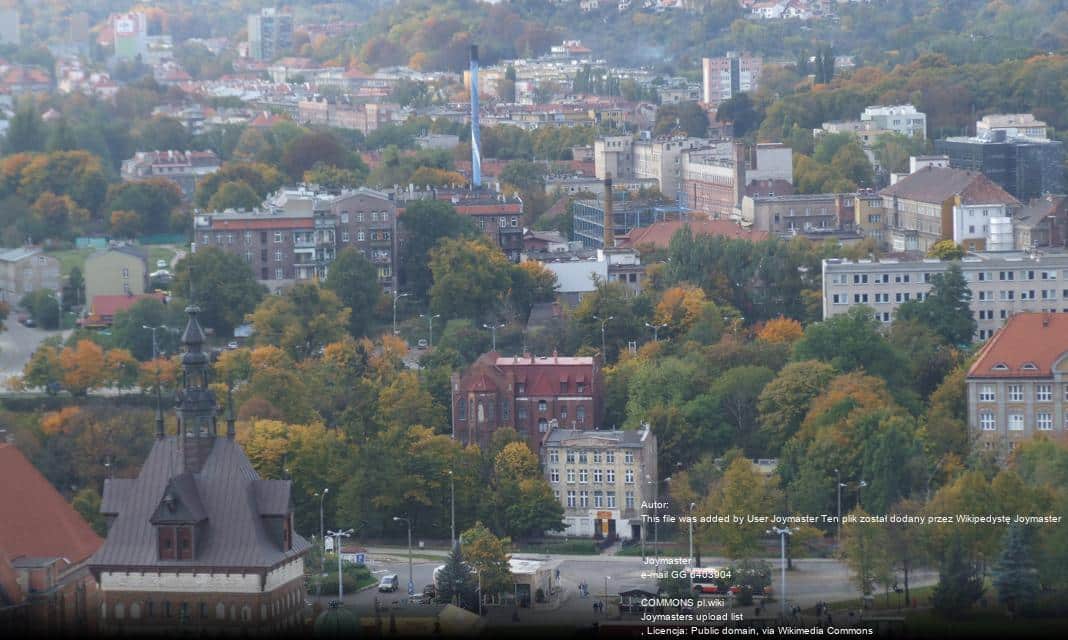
<point>223,285</point>
<point>1015,575</point>
<point>456,583</point>
<point>684,117</point>
<point>471,278</point>
<point>87,503</point>
<point>355,281</point>
<point>302,321</point>
<point>737,391</point>
<point>959,583</point>
<point>946,250</point>
<point>155,199</point>
<point>74,288</point>
<point>61,137</point>
<point>262,178</point>
<point>304,152</point>
<point>234,195</point>
<point>334,178</point>
<point>128,332</point>
<point>947,307</point>
<point>850,341</point>
<point>893,150</point>
<point>43,307</point>
<point>426,222</point>
<point>741,491</point>
<point>864,549</point>
<point>488,555</point>
<point>784,401</point>
<point>26,132</point>
<point>741,112</point>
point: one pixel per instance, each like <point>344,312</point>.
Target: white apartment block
<point>903,119</point>
<point>1013,124</point>
<point>1002,284</point>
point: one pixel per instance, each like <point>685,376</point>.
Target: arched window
<point>543,425</point>
<point>481,412</point>
<point>103,611</point>
<point>263,612</point>
<point>120,611</point>
<point>542,406</point>
<point>135,611</point>
<point>220,611</point>
<point>246,613</point>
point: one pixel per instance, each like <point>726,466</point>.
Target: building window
<point>277,256</point>
<point>598,499</point>
<point>571,455</point>
<point>597,476</point>
<point>279,273</point>
<point>461,408</point>
<point>610,499</point>
<point>520,388</point>
<point>1044,421</point>
<point>542,406</point>
<point>571,476</point>
<point>987,421</point>
<point>1016,422</point>
<point>344,217</point>
<point>1015,393</point>
<point>543,425</point>
<point>628,457</point>
<point>629,498</point>
<point>628,476</point>
<point>580,414</point>
<point>344,236</point>
<point>361,236</point>
<point>571,499</point>
<point>584,498</point>
<point>554,475</point>
<point>1043,392</point>
<point>554,456</point>
<point>610,475</point>
<point>584,476</point>
<point>521,412</point>
<point>597,457</point>
<point>277,237</point>
<point>125,273</point>
<point>610,456</point>
<point>986,393</point>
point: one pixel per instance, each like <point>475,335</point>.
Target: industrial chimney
<point>476,138</point>
<point>609,221</point>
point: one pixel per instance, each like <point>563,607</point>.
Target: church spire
<point>196,405</point>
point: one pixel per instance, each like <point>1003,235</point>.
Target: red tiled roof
<point>108,306</point>
<point>35,520</point>
<point>1028,346</point>
<point>659,234</point>
<point>935,185</point>
<point>265,223</point>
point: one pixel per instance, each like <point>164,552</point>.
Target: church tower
<point>196,406</point>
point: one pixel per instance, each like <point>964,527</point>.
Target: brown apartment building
<point>298,233</point>
<point>528,393</point>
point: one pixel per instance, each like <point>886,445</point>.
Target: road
<point>811,581</point>
<point>17,344</point>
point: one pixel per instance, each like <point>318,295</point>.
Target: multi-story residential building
<point>725,77</point>
<point>364,117</point>
<point>1013,124</point>
<point>198,540</point>
<point>623,157</point>
<point>45,585</point>
<point>498,216</point>
<point>298,233</point>
<point>270,34</point>
<point>1018,386</point>
<point>1025,167</point>
<point>948,204</point>
<point>903,119</point>
<point>578,271</point>
<point>24,270</point>
<point>526,393</point>
<point>798,214</point>
<point>1042,223</point>
<point>869,219</point>
<point>184,168</point>
<point>716,178</point>
<point>1002,285</point>
<point>121,270</point>
<point>602,479</point>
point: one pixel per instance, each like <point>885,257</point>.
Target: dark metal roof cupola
<point>195,402</point>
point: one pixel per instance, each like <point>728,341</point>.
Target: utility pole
<point>430,318</point>
<point>396,296</point>
<point>338,535</point>
<point>782,533</point>
<point>452,501</point>
<point>493,331</point>
<point>411,580</point>
<point>604,349</point>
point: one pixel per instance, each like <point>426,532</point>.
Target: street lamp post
<point>782,533</point>
<point>155,344</point>
<point>838,532</point>
<point>338,535</point>
<point>430,319</point>
<point>656,330</point>
<point>692,505</point>
<point>605,609</point>
<point>860,485</point>
<point>452,505</point>
<point>604,349</point>
<point>493,331</point>
<point>396,296</point>
<point>411,579</point>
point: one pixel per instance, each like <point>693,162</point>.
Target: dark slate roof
<point>272,497</point>
<point>181,502</point>
<point>116,493</point>
<point>627,438</point>
<point>234,534</point>
<point>935,185</point>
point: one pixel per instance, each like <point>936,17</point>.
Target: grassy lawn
<point>922,596</point>
<point>70,258</point>
<point>159,252</point>
<point>564,547</point>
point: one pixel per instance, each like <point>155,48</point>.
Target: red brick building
<point>45,584</point>
<point>526,393</point>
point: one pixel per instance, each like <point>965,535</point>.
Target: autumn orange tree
<point>780,329</point>
<point>83,367</point>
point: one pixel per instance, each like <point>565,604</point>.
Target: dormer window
<point>1029,366</point>
<point>1001,366</point>
<point>175,543</point>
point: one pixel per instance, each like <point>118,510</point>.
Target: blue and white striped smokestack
<point>476,137</point>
